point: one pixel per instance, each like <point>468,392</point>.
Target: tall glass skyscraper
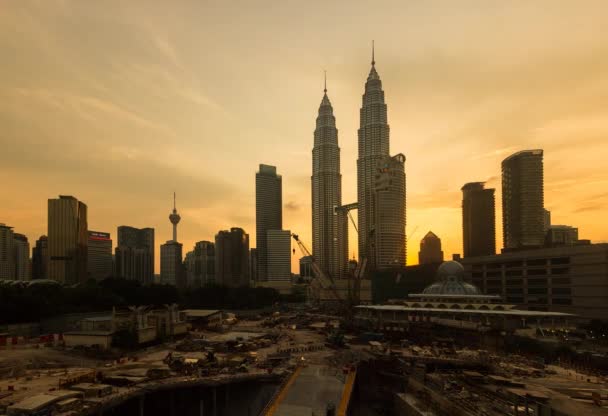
<point>268,213</point>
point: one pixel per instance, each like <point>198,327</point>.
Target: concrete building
<point>561,235</point>
<point>253,265</point>
<point>547,219</point>
<point>329,228</point>
<point>21,249</point>
<point>373,151</point>
<point>306,271</point>
<point>523,210</point>
<point>232,257</point>
<point>389,237</point>
<point>134,255</point>
<point>67,240</point>
<point>268,212</point>
<point>571,279</point>
<point>171,267</point>
<point>279,255</point>
<point>7,256</point>
<point>40,258</point>
<point>430,249</point>
<point>200,264</point>
<point>99,262</point>
<point>478,220</point>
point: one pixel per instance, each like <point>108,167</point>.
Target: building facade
<point>523,210</point>
<point>268,212</point>
<point>430,249</point>
<point>478,220</point>
<point>329,228</point>
<point>21,247</point>
<point>67,240</point>
<point>99,262</point>
<point>570,279</point>
<point>232,258</point>
<point>134,255</point>
<point>279,255</point>
<point>561,235</point>
<point>40,257</point>
<point>7,253</point>
<point>201,264</point>
<point>171,267</point>
<point>389,237</point>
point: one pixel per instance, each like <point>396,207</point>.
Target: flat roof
<point>510,312</point>
<point>200,313</point>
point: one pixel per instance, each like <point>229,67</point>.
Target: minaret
<point>174,218</point>
<point>329,229</point>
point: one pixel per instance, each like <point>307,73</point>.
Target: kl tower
<point>174,218</point>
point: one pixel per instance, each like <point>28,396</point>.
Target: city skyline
<point>109,139</point>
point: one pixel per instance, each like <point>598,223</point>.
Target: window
<point>537,291</point>
<point>514,264</point>
<point>515,299</point>
<point>560,270</point>
<point>515,282</point>
<point>513,273</point>
<point>494,266</point>
<point>494,291</point>
<point>494,274</point>
<point>561,291</point>
<point>515,291</point>
<point>562,301</point>
<point>494,282</point>
<point>537,282</point>
<point>537,262</point>
<point>477,274</point>
<point>542,301</point>
<point>560,260</point>
<point>537,272</point>
<point>561,280</point>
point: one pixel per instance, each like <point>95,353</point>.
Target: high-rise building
<point>21,248</point>
<point>279,255</point>
<point>268,212</point>
<point>171,267</point>
<point>547,220</point>
<point>174,218</point>
<point>201,264</point>
<point>232,258</point>
<point>430,249</point>
<point>561,235</point>
<point>374,149</point>
<point>329,228</point>
<point>306,271</point>
<point>478,220</point>
<point>523,209</point>
<point>389,224</point>
<point>67,240</point>
<point>7,253</point>
<point>40,258</point>
<point>99,262</point>
<point>189,269</point>
<point>134,258</point>
<point>253,264</point>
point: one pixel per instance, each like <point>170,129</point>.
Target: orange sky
<point>120,103</point>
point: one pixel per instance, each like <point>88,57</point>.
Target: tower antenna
<point>325,81</point>
<point>373,57</point>
<point>173,200</point>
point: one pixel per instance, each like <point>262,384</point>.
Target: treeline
<point>35,302</point>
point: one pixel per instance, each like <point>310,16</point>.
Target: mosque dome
<point>450,281</point>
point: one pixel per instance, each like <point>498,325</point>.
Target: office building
<point>561,235</point>
<point>21,248</point>
<point>232,258</point>
<point>201,264</point>
<point>67,240</point>
<point>430,249</point>
<point>373,153</point>
<point>253,265</point>
<point>523,209</point>
<point>306,271</point>
<point>329,228</point>
<point>571,279</point>
<point>7,253</point>
<point>389,237</point>
<point>478,220</point>
<point>171,267</point>
<point>547,219</point>
<point>99,261</point>
<point>40,256</point>
<point>279,255</point>
<point>268,212</point>
<point>134,255</point>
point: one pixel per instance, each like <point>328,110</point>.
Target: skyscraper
<point>174,218</point>
<point>67,240</point>
<point>478,220</point>
<point>21,249</point>
<point>523,209</point>
<point>329,229</point>
<point>40,257</point>
<point>201,264</point>
<point>279,255</point>
<point>374,150</point>
<point>268,212</point>
<point>232,258</point>
<point>134,257</point>
<point>171,267</point>
<point>430,249</point>
<point>7,256</point>
<point>99,262</point>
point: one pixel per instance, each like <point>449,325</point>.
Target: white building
<point>279,255</point>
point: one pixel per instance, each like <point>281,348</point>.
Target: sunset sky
<point>120,103</point>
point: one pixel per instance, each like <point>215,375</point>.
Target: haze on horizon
<point>121,103</point>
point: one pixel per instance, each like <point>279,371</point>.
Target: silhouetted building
<point>134,255</point>
<point>430,249</point>
<point>7,253</point>
<point>389,236</point>
<point>547,219</point>
<point>40,254</point>
<point>478,220</point>
<point>253,264</point>
<point>268,212</point>
<point>201,264</point>
<point>523,210</point>
<point>171,267</point>
<point>99,261</point>
<point>329,228</point>
<point>21,251</point>
<point>232,257</point>
<point>306,271</point>
<point>561,235</point>
<point>279,255</point>
<point>67,240</point>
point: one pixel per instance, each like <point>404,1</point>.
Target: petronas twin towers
<point>380,189</point>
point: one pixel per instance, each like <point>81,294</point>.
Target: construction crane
<point>325,281</point>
